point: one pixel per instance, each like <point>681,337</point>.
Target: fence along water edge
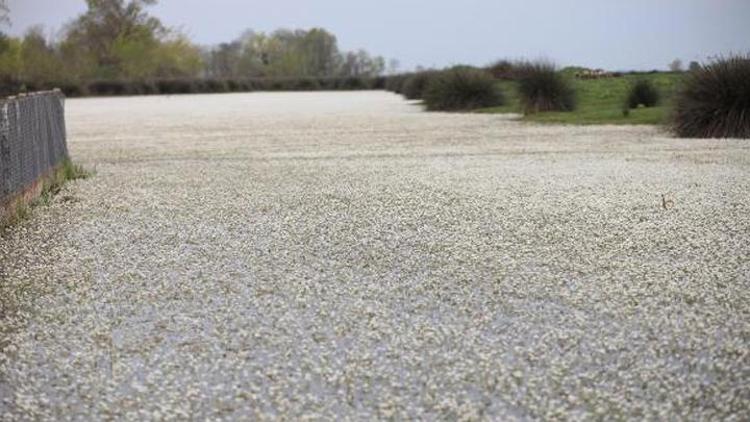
<point>32,144</point>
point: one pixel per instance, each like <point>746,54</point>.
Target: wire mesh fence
<point>32,140</point>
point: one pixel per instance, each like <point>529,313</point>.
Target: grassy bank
<point>600,101</point>
<point>50,186</point>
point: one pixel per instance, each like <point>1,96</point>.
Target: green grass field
<point>600,101</point>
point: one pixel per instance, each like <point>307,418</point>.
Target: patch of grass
<point>66,171</point>
<point>462,89</point>
<point>600,101</point>
<point>51,186</point>
<point>714,101</point>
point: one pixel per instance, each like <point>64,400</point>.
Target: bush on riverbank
<point>462,89</point>
<point>644,93</point>
<point>714,101</point>
<point>542,88</point>
<point>395,83</point>
<point>414,86</point>
<point>503,70</point>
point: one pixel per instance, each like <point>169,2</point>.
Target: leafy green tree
<point>10,58</point>
<point>113,31</point>
<point>39,64</point>
<point>289,53</point>
<point>177,57</point>
<point>136,55</point>
<point>321,53</point>
<point>119,40</point>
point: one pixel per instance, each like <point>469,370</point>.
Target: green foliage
<point>38,62</point>
<point>714,101</point>
<point>462,89</point>
<point>414,86</point>
<point>10,58</point>
<point>644,93</point>
<point>117,48</point>
<point>284,53</point>
<point>542,88</point>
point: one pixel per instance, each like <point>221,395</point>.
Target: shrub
<point>352,83</point>
<point>395,83</point>
<point>714,101</point>
<point>502,69</point>
<point>462,89</point>
<point>176,86</point>
<point>196,85</point>
<point>378,83</point>
<point>306,84</point>
<point>644,93</point>
<point>215,85</point>
<point>542,88</point>
<point>107,88</point>
<point>72,89</point>
<point>414,86</point>
<point>143,88</point>
<point>233,85</point>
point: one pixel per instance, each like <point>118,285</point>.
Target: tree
<point>177,57</point>
<point>223,61</point>
<point>283,53</point>
<point>393,66</point>
<point>39,64</point>
<point>112,29</point>
<point>675,65</point>
<point>321,53</point>
<point>4,11</point>
<point>361,64</point>
<point>10,58</point>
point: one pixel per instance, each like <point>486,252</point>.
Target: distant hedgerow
<point>462,89</point>
<point>191,85</point>
<point>395,83</point>
<point>644,93</point>
<point>542,88</point>
<point>714,100</point>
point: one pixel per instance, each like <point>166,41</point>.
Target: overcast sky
<point>613,34</point>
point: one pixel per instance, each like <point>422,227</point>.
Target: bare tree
<point>676,65</point>
<point>393,66</point>
<point>4,11</point>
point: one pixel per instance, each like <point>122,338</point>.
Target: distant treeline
<point>116,47</point>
